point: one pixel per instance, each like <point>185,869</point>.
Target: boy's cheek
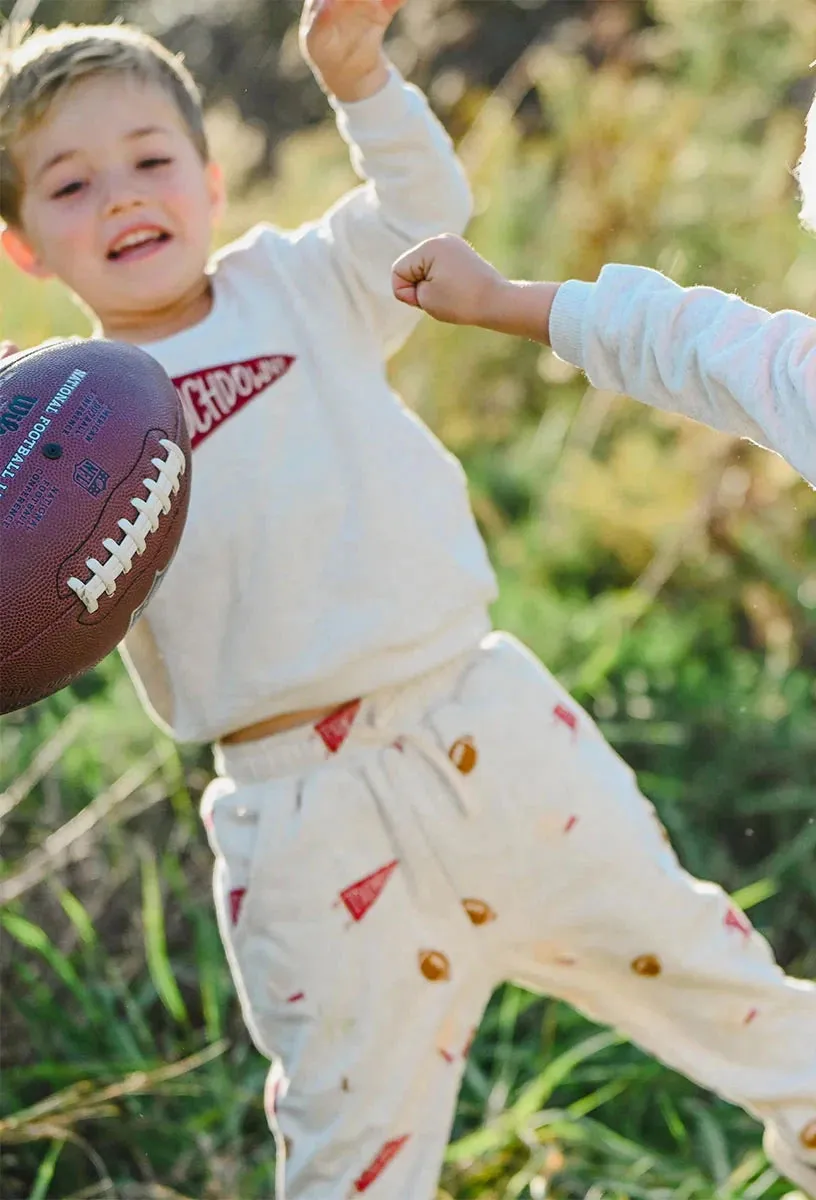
<point>73,248</point>
<point>41,234</point>
<point>68,255</point>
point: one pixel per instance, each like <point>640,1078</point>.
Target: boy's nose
<point>120,196</point>
<point>121,202</point>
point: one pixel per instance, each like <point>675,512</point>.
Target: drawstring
<point>378,734</point>
<point>432,889</point>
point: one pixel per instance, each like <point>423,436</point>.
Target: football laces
<point>134,542</point>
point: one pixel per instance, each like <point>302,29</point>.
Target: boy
<point>409,809</point>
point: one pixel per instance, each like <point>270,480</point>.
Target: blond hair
<point>38,68</point>
<point>805,173</point>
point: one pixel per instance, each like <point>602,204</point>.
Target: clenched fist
<point>447,279</point>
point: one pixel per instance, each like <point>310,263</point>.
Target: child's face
<point>116,200</point>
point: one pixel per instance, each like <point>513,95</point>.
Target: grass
<point>667,576</point>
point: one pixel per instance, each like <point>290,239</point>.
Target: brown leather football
<point>94,488</point>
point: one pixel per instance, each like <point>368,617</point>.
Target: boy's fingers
<point>414,267</point>
<point>388,5</point>
<point>7,349</point>
<point>319,10</point>
<point>315,13</point>
<point>405,290</point>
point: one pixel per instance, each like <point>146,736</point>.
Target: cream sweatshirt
<point>330,548</point>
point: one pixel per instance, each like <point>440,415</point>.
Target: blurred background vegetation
<point>665,573</point>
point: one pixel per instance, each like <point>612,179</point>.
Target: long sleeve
<point>696,351</point>
<point>414,188</point>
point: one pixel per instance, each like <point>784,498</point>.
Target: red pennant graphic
<point>372,1173</point>
<point>737,920</point>
<point>563,714</point>
<point>359,897</point>
<point>570,825</point>
<point>293,999</point>
<point>446,1054</point>
<point>210,397</point>
<point>751,1017</point>
<point>236,899</point>
<point>335,728</point>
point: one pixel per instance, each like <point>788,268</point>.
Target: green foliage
<point>667,576</point>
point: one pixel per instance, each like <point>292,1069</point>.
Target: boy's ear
<point>217,190</point>
<point>22,254</point>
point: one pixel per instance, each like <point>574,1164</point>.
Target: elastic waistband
<point>396,708</point>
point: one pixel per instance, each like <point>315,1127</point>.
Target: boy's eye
<point>156,161</point>
<point>68,189</point>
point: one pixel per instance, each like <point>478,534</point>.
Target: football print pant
<point>378,875</point>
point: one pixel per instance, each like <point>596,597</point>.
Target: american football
<point>94,488</point>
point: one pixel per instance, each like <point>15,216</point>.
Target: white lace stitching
<point>158,503</point>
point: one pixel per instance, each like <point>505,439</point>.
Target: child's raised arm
<point>696,351</point>
<point>413,184</point>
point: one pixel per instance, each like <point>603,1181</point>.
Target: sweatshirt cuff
<point>567,321</point>
<point>380,111</point>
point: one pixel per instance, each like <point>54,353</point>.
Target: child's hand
<point>447,279</point>
<point>342,41</point>
<point>7,349</point>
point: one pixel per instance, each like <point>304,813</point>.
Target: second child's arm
<point>696,351</point>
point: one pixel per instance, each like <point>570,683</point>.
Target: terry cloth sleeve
<point>413,188</point>
<point>696,351</point>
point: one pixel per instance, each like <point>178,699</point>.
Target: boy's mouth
<point>136,243</point>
